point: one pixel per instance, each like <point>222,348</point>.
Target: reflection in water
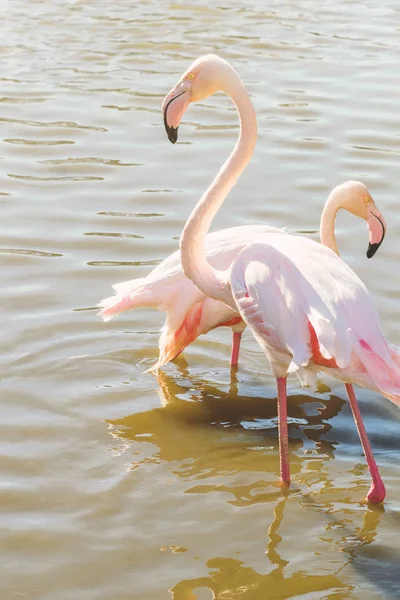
<point>190,403</point>
<point>245,583</point>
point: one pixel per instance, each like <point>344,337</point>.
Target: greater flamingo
<point>189,312</point>
<point>306,308</point>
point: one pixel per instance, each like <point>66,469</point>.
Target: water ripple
<point>117,235</point>
<point>59,178</point>
<point>63,124</point>
<point>25,142</point>
<point>90,160</point>
<point>130,214</point>
<point>123,263</point>
<point>29,252</point>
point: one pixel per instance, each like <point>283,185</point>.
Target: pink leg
<point>377,491</point>
<point>237,336</point>
<point>283,430</point>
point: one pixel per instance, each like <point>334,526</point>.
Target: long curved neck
<point>327,224</point>
<point>211,282</point>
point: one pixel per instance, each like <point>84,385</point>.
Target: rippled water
<point>120,485</point>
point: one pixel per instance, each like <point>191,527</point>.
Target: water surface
<point>117,484</point>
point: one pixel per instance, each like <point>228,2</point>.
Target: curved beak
<point>377,229</point>
<point>173,109</point>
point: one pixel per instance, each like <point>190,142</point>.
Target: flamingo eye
<point>190,76</point>
<point>367,200</point>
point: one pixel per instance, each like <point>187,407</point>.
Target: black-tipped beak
<point>172,133</point>
<point>373,248</point>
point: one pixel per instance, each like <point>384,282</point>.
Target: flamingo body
<point>189,313</point>
<point>309,311</point>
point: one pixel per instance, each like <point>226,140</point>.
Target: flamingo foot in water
<point>283,431</point>
<point>377,491</point>
<point>237,336</point>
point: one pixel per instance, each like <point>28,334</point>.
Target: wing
<point>270,294</point>
<point>303,302</point>
<point>221,248</point>
<point>352,311</point>
<point>167,288</point>
<point>296,297</point>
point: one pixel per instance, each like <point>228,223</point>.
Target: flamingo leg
<point>377,492</point>
<point>283,430</point>
<point>237,336</point>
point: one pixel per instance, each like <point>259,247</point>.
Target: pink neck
<point>211,282</point>
<point>327,225</point>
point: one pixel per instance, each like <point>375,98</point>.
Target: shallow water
<point>118,484</point>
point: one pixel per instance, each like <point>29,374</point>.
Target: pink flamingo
<point>306,308</point>
<point>189,312</point>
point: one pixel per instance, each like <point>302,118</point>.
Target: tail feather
<point>174,339</point>
<point>384,372</point>
<point>131,294</point>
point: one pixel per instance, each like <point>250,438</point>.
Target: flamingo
<point>307,309</point>
<point>189,312</point>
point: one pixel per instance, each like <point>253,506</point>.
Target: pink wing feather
<point>284,286</point>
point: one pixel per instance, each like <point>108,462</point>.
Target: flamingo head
<point>355,197</point>
<point>206,76</point>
